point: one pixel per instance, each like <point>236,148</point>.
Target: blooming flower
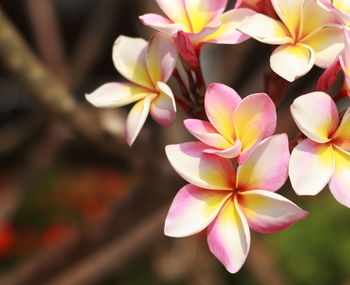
<point>228,203</point>
<point>201,20</point>
<point>148,67</point>
<point>307,34</point>
<point>235,126</point>
<point>324,156</point>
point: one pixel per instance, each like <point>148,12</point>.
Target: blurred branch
<point>50,93</point>
<point>92,40</point>
<point>113,256</point>
<point>47,36</point>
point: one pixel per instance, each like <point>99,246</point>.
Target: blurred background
<point>77,206</point>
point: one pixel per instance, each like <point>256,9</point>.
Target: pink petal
<point>227,33</point>
<point>256,107</point>
<point>117,94</point>
<point>129,58</point>
<point>230,152</point>
<point>199,38</point>
<point>202,12</point>
<point>342,136</point>
<point>176,11</point>
<point>192,210</point>
<point>250,138</point>
<point>203,170</point>
<point>161,24</point>
<point>328,77</point>
<point>229,236</point>
<point>161,57</point>
<point>163,107</point>
<point>310,167</point>
<point>267,166</point>
<point>220,101</point>
<point>292,61</point>
<point>205,132</point>
<point>136,119</point>
<point>187,50</point>
<point>267,212</point>
<point>340,182</point>
<point>316,115</point>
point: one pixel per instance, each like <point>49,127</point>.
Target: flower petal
<point>192,210</point>
<point>229,236</point>
<point>340,182</point>
<point>163,107</point>
<point>267,166</point>
<point>220,101</point>
<point>328,77</point>
<point>176,11</point>
<point>117,94</point>
<point>310,167</point>
<point>267,212</point>
<point>136,119</point>
<point>205,132</point>
<point>161,57</point>
<point>129,57</point>
<point>342,136</point>
<point>187,50</point>
<point>316,115</point>
<point>251,137</point>
<point>292,61</point>
<point>202,12</point>
<point>227,33</point>
<point>265,29</point>
<point>256,107</point>
<point>203,170</point>
<point>230,152</point>
<point>198,38</point>
<point>161,24</point>
<point>314,16</point>
<point>327,43</point>
<point>289,12</point>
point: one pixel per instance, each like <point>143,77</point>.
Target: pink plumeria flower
<point>324,156</point>
<point>235,126</point>
<point>147,66</point>
<point>200,21</point>
<point>229,203</point>
<point>307,34</point>
<point>330,75</point>
<point>260,6</point>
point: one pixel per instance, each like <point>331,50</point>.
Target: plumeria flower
<point>260,6</point>
<point>307,34</point>
<point>198,21</point>
<point>330,75</point>
<point>147,66</point>
<point>229,203</point>
<point>324,156</point>
<point>235,126</point>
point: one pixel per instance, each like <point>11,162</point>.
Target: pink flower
<point>147,66</point>
<point>324,156</point>
<point>307,34</point>
<point>229,203</point>
<point>200,20</point>
<point>235,126</point>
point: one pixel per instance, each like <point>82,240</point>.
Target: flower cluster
<point>238,163</point>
